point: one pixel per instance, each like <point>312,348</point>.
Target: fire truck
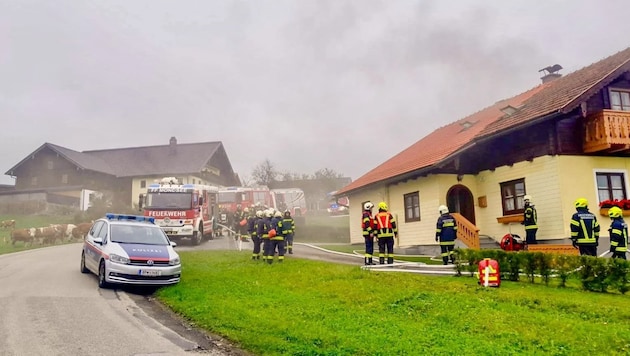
<point>183,211</point>
<point>291,199</point>
<point>231,197</point>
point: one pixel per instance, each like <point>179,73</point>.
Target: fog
<point>308,84</point>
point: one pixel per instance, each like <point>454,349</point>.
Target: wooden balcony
<point>607,131</point>
<point>467,232</point>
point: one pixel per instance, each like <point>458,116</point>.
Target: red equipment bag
<point>489,274</point>
<point>243,222</point>
<point>512,242</point>
<point>272,233</point>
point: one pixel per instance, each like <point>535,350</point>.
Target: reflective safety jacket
<point>276,224</point>
<point>530,218</point>
<point>446,229</point>
<point>385,225</point>
<point>263,226</point>
<point>367,223</point>
<point>251,222</point>
<point>288,226</point>
<point>584,228</point>
<point>618,235</point>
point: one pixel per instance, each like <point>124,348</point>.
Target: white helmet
<point>259,213</point>
<point>443,209</point>
<point>269,213</point>
<point>527,198</point>
<point>368,206</point>
<point>278,214</point>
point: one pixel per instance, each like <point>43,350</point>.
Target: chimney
<point>550,73</point>
<point>172,143</point>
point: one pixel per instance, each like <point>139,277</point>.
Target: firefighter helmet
<point>259,213</point>
<point>368,206</point>
<point>443,209</point>
<point>246,210</point>
<point>287,214</point>
<point>581,203</point>
<point>269,213</point>
<point>382,206</point>
<point>527,199</point>
<point>278,214</point>
<point>615,212</point>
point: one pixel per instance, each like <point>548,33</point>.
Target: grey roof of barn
<point>180,158</point>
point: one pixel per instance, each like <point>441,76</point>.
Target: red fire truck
<point>183,211</point>
<point>231,197</point>
<point>291,199</point>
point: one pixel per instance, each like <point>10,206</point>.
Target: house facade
<point>565,139</point>
<point>63,176</point>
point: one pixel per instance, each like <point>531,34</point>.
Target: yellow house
<point>564,139</point>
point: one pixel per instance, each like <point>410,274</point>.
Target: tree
<point>327,173</point>
<point>264,173</point>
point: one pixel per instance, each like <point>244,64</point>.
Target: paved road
<point>48,307</point>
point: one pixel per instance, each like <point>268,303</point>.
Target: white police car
<point>129,249</point>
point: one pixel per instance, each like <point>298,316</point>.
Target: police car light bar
<point>138,218</point>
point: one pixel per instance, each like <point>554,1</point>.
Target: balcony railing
<point>467,232</point>
<point>608,131</point>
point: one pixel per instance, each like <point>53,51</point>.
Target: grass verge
<point>304,307</point>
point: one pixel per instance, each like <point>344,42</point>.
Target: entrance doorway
<point>459,199</point>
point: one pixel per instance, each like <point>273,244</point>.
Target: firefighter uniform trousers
<point>366,226</point>
<point>276,245</point>
<point>252,227</point>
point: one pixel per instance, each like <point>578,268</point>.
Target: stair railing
<point>467,232</point>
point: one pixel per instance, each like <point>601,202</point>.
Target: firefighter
<point>446,233</point>
<point>277,241</point>
<point>584,229</point>
<point>288,229</point>
<point>367,225</point>
<point>238,229</point>
<point>530,220</point>
<point>618,233</point>
<point>262,231</point>
<point>386,231</point>
<point>251,228</point>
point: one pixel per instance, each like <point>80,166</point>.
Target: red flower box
<point>624,204</point>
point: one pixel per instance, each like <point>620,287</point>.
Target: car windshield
<point>140,234</point>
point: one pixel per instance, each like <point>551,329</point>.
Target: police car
<point>129,249</point>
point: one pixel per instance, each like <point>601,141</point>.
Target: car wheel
<point>102,283</point>
<point>83,268</point>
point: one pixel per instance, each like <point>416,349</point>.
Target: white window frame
<point>604,170</point>
<point>625,90</point>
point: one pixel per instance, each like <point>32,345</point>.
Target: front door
<point>460,200</point>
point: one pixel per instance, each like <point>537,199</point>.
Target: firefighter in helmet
<point>288,229</point>
<point>367,226</point>
<point>386,232</point>
<point>618,233</point>
<point>584,229</point>
<point>446,233</point>
<point>264,225</point>
<point>530,220</point>
<point>277,241</point>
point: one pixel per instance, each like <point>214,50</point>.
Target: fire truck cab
<point>183,211</point>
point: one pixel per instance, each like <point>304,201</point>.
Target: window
<point>50,165</point>
<point>610,186</point>
<point>143,183</point>
<point>64,178</point>
<point>619,100</point>
<point>412,207</point>
<point>512,193</point>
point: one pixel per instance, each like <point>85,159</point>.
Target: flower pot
<point>604,212</point>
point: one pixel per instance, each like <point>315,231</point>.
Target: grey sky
<point>308,84</point>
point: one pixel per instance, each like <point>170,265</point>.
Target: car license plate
<point>149,273</point>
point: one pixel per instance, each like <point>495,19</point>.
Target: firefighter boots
<point>390,260</point>
<point>381,260</point>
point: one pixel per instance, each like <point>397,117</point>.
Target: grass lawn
<point>305,307</point>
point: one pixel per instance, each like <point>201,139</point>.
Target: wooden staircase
<point>467,232</point>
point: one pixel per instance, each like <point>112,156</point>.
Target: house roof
<point>138,161</point>
<point>561,96</point>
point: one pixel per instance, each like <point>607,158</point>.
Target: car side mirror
<point>173,244</point>
<point>98,240</point>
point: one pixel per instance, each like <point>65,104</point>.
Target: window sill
<point>507,219</point>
